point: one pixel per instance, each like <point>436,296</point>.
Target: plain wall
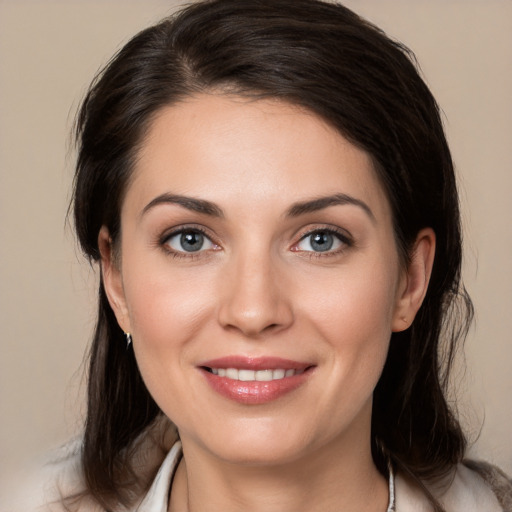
<point>49,52</point>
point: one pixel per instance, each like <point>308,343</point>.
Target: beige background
<point>49,51</point>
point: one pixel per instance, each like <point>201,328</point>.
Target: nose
<point>255,299</point>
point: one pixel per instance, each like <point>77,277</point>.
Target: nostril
<point>254,311</point>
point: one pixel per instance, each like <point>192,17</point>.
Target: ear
<point>416,277</point>
<point>112,279</point>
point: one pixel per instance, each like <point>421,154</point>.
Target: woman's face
<point>258,277</point>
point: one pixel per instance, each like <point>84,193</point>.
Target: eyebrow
<point>190,203</point>
<point>301,208</point>
<point>320,203</point>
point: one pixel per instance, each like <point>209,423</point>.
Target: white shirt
<point>467,492</point>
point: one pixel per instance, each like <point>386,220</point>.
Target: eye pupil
<point>191,241</point>
<point>322,241</point>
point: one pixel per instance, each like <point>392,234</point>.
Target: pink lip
<point>255,363</point>
<point>255,392</point>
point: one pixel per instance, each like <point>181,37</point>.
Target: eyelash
<point>342,236</point>
<point>345,239</point>
<point>164,242</point>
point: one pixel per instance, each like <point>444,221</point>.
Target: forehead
<point>230,149</point>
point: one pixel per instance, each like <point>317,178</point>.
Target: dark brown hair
<point>323,57</point>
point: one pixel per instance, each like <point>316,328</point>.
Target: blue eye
<point>322,240</point>
<point>190,240</point>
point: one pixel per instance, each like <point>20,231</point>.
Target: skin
<point>257,288</point>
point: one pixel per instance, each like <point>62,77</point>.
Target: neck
<point>340,476</point>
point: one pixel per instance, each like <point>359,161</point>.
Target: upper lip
<point>255,363</point>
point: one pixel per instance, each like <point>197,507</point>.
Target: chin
<point>258,443</point>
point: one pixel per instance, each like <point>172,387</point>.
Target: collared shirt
<point>469,489</point>
<point>156,499</point>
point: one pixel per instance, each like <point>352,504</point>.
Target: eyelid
<point>177,230</point>
<point>341,234</point>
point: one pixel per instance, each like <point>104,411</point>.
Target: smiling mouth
<point>246,375</point>
<point>256,380</point>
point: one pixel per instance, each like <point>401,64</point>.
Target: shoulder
<point>57,484</point>
<point>470,487</point>
<point>59,475</point>
<point>497,480</point>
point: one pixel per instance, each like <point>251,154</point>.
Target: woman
<point>269,193</point>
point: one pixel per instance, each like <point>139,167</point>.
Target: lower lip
<point>254,392</point>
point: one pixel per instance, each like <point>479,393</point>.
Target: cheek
<point>159,296</point>
<point>167,311</point>
<point>356,302</point>
<point>353,316</point>
<point>167,308</point>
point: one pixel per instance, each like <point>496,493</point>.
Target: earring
<point>128,338</point>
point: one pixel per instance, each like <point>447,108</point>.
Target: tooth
<point>232,373</point>
<point>278,374</point>
<point>263,375</point>
<point>251,375</point>
<point>246,375</point>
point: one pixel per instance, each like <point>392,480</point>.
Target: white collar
<point>157,498</point>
